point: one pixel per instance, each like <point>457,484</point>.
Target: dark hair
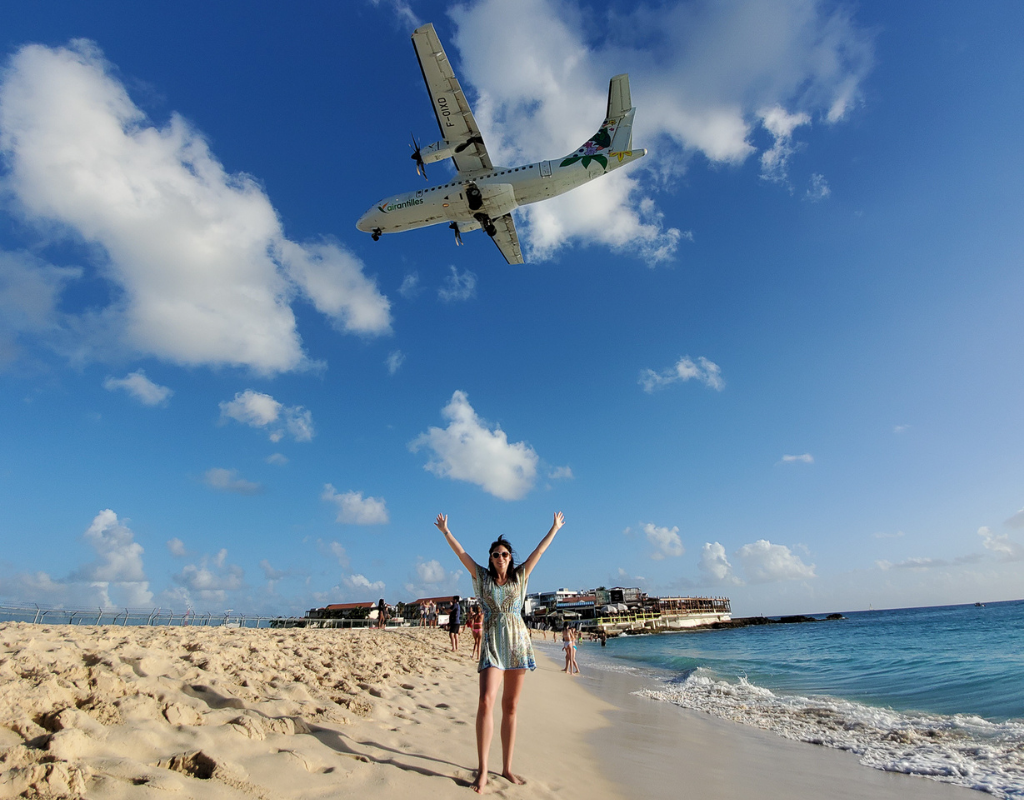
<point>511,561</point>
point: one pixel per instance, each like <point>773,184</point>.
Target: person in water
<point>506,652</point>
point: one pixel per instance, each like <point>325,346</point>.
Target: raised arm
<point>442,525</point>
<point>531,562</point>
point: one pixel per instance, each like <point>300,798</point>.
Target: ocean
<point>927,691</point>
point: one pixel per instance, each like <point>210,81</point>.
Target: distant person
<point>476,627</point>
<point>506,652</point>
<point>382,613</point>
<point>454,623</point>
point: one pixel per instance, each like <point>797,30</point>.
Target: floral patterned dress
<point>506,643</point>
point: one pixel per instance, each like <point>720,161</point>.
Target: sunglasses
<point>501,554</point>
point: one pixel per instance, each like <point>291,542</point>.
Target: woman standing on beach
<point>506,652</point>
<point>476,627</point>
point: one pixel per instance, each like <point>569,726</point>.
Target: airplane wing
<point>507,240</point>
<point>454,116</point>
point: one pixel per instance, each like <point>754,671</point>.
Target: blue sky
<point>779,359</point>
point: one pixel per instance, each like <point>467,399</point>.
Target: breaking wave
<point>959,749</point>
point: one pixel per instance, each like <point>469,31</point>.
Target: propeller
<point>421,168</point>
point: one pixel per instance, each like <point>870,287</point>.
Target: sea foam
<point>960,749</point>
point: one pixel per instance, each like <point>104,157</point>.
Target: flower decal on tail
<point>591,151</point>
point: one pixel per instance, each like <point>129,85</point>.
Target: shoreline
<point>656,744</point>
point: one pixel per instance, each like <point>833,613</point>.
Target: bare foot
<point>513,779</point>
<point>480,782</point>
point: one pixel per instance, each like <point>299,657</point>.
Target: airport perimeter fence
<point>49,615</point>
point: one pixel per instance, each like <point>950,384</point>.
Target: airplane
<point>482,195</point>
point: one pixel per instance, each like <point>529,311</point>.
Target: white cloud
<point>363,584</point>
<point>203,272</point>
<point>780,124</point>
<point>394,360</point>
<point>431,572</point>
<point>468,450</point>
<point>457,286</point>
<point>228,480</point>
<point>715,565</point>
<point>354,509</point>
<point>884,535</point>
<point>272,575</point>
<point>703,371</point>
<point>410,286</point>
<point>803,458</point>
<point>900,428</point>
<point>176,547</point>
<point>561,473</point>
<point>703,75</point>
<point>29,293</point>
<point>334,550</point>
<point>665,540</point>
<point>277,459</point>
<point>1007,549</point>
<point>260,410</point>
<point>140,387</point>
<point>819,189</point>
<point>764,562</point>
<point>1016,521</point>
<point>116,578</point>
<point>210,580</point>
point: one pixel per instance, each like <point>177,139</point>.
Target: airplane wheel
<point>474,197</point>
<point>491,231</point>
<point>375,236</point>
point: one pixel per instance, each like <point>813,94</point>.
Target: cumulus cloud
<point>228,480</point>
<point>764,562</point>
<point>703,371</point>
<point>458,286</point>
<point>141,388</point>
<point>394,360</point>
<point>1001,544</point>
<point>201,269</point>
<point>277,459</point>
<point>260,410</point>
<point>469,450</point>
<point>354,509</point>
<point>333,550</point>
<point>803,458</point>
<point>715,565</point>
<point>360,583</point>
<point>176,548</point>
<point>561,473</point>
<point>116,578</point>
<point>705,78</point>
<point>666,541</point>
<point>270,573</point>
<point>210,580</point>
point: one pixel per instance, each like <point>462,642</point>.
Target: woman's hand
<point>442,523</point>
<point>559,521</point>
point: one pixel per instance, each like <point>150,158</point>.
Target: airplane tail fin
<point>615,137</point>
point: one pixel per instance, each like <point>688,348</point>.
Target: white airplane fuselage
<point>500,190</point>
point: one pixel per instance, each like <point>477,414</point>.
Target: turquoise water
<point>930,691</point>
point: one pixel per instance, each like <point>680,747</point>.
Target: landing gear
<point>458,234</point>
<point>474,197</point>
<point>486,224</point>
<point>375,235</point>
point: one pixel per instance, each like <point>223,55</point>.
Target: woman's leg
<point>509,705</point>
<point>490,680</point>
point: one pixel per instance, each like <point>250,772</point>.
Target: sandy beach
<point>108,712</point>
